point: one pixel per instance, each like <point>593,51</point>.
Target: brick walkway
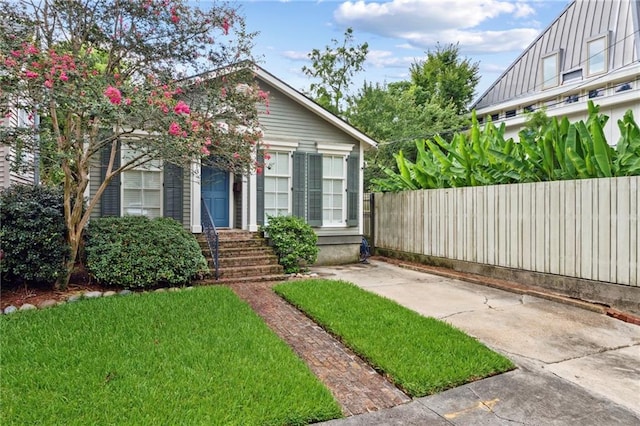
<point>355,385</point>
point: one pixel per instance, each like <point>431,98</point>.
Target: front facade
<point>590,52</point>
<point>313,169</point>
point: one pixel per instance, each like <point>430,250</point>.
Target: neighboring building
<point>314,171</point>
<point>15,118</point>
<point>590,52</point>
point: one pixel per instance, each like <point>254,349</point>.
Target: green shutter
<point>314,189</point>
<point>353,189</point>
<point>172,197</point>
<point>110,200</point>
<point>299,198</point>
<point>260,190</point>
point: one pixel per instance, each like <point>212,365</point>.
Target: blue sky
<point>399,32</point>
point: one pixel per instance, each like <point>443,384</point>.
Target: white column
<point>245,202</point>
<point>253,194</point>
<point>196,194</point>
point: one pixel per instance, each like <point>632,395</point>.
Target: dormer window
<point>550,70</point>
<point>597,56</point>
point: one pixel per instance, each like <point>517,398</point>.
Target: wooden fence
<point>586,229</point>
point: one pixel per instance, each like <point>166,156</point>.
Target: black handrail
<point>210,233</point>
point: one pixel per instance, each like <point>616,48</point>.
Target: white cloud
<point>296,56</point>
<point>386,59</point>
<point>423,23</point>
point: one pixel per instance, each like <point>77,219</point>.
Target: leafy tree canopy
<point>446,77</point>
<point>335,67</point>
<point>98,72</point>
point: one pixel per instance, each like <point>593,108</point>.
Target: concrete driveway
<point>575,366</point>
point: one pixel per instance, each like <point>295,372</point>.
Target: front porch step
<point>242,256</point>
<point>262,278</point>
<point>250,271</point>
<point>240,261</point>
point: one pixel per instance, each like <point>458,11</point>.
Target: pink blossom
<point>114,95</point>
<point>9,63</point>
<point>225,26</point>
<point>127,101</point>
<point>31,49</point>
<point>48,83</point>
<point>207,142</point>
<point>259,170</point>
<point>182,108</point>
<point>236,155</point>
<point>205,150</point>
<point>267,156</point>
<point>64,76</point>
<point>16,53</point>
<point>175,19</point>
<point>223,92</point>
<point>31,74</point>
<point>174,129</point>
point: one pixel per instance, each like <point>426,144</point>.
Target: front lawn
<point>191,357</point>
<point>421,355</point>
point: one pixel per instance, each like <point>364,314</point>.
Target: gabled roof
<point>579,22</point>
<point>312,106</point>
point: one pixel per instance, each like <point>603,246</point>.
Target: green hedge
<point>135,251</point>
<point>293,240</point>
<point>32,234</point>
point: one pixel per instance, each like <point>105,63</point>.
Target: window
<point>596,93</point>
<point>277,185</point>
<point>510,114</point>
<point>597,56</point>
<point>142,188</point>
<point>495,117</point>
<point>574,75</point>
<point>333,190</point>
<point>571,99</point>
<point>550,65</point>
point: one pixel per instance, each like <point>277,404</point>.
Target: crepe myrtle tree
<point>101,73</point>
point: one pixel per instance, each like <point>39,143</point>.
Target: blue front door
<point>215,192</point>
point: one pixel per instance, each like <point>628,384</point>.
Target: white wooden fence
<point>583,228</point>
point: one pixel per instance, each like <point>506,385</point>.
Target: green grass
<point>421,355</point>
<point>192,357</point>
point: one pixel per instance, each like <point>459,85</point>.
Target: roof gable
<point>312,106</point>
<point>567,35</point>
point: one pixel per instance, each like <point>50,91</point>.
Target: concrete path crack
<point>489,407</point>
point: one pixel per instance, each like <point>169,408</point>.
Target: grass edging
<point>191,357</point>
<point>421,355</point>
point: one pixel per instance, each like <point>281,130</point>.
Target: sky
<point>398,32</point>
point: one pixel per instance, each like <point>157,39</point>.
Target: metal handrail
<point>210,233</point>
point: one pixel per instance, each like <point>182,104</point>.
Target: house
<point>590,52</point>
<point>26,173</point>
<point>314,170</point>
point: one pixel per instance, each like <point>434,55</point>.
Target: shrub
<point>293,241</point>
<point>32,232</point>
<point>135,251</point>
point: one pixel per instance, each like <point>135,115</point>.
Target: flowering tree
<point>102,73</point>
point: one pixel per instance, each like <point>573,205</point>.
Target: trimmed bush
<point>135,251</point>
<point>32,232</point>
<point>293,240</point>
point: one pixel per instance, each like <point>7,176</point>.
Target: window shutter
<point>172,202</point>
<point>353,189</point>
<point>314,189</point>
<point>299,166</point>
<point>110,200</point>
<point>260,191</point>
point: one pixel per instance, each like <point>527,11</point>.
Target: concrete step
<point>262,278</point>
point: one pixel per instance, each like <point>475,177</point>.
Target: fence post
<point>372,222</point>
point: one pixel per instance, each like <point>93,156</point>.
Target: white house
<point>590,52</point>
